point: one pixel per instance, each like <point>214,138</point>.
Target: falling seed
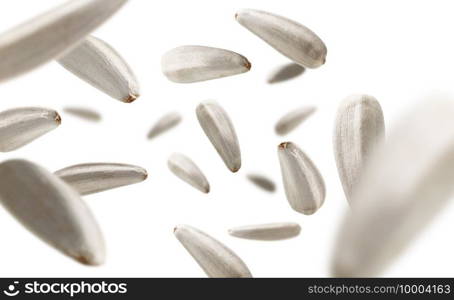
<point>167,122</point>
<point>188,64</point>
<point>290,38</point>
<point>262,182</point>
<point>293,119</point>
<point>185,169</point>
<point>214,258</point>
<point>406,182</point>
<point>51,210</point>
<point>84,113</point>
<point>97,177</point>
<point>304,186</point>
<point>358,130</point>
<point>286,72</point>
<point>267,232</point>
<point>97,63</point>
<point>20,126</point>
<point>51,34</point>
<point>219,129</point>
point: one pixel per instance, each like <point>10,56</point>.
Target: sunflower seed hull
<point>359,129</point>
<point>286,72</point>
<point>267,232</point>
<point>219,129</point>
<point>21,126</point>
<point>293,119</point>
<point>188,64</point>
<point>50,209</point>
<point>304,186</point>
<point>214,258</point>
<point>407,181</point>
<point>185,169</point>
<point>290,38</point>
<point>51,34</point>
<point>97,177</point>
<point>83,113</point>
<point>164,124</point>
<point>262,182</point>
<point>97,63</point>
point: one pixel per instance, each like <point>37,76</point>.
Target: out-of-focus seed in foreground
<point>407,181</point>
<point>187,64</point>
<point>51,34</point>
<point>51,210</point>
<point>213,257</point>
<point>290,38</point>
<point>358,130</point>
<point>303,184</point>
<point>219,129</point>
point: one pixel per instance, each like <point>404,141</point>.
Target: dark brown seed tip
<point>248,64</point>
<point>57,118</point>
<point>85,261</point>
<point>283,145</point>
<point>207,189</point>
<point>131,98</point>
<point>235,169</point>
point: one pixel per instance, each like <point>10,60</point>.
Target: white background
<point>393,50</point>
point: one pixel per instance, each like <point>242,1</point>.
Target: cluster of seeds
<point>394,186</point>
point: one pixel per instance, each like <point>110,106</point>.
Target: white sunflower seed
<point>84,113</point>
<point>97,177</point>
<point>304,186</point>
<point>51,34</point>
<point>185,169</point>
<point>267,232</point>
<point>188,64</point>
<point>97,63</point>
<point>51,210</point>
<point>359,129</point>
<point>219,129</point>
<point>406,182</point>
<point>165,123</point>
<point>292,119</point>
<point>262,182</point>
<point>286,72</point>
<point>290,38</point>
<point>21,126</point>
<point>213,257</point>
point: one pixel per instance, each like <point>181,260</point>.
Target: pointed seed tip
<point>283,145</point>
<point>131,98</point>
<point>86,261</point>
<point>248,64</point>
<point>57,118</point>
<point>235,169</point>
